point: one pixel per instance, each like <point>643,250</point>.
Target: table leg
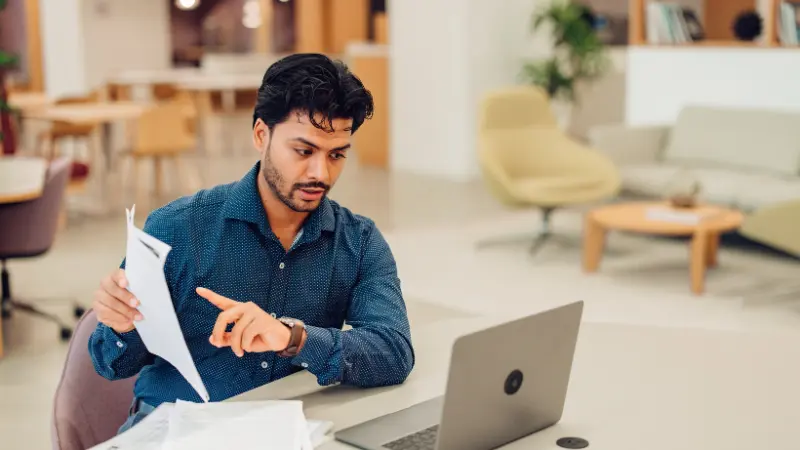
<point>594,240</point>
<point>697,260</point>
<point>712,247</point>
<point>1,339</point>
<point>107,143</point>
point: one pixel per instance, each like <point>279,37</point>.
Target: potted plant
<point>7,61</point>
<point>578,54</point>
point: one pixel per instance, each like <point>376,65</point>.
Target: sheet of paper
<point>149,434</point>
<point>270,424</point>
<point>318,431</point>
<point>160,330</point>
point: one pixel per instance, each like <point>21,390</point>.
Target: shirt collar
<point>244,203</point>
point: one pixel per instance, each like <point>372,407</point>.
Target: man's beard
<point>275,181</point>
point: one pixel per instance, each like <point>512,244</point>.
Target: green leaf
<point>582,52</point>
<point>7,59</point>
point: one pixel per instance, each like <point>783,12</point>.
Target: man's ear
<point>261,135</point>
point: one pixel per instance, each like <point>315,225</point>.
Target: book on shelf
<point>671,23</point>
<point>789,23</point>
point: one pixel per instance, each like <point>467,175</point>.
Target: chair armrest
<point>776,226</point>
<point>629,145</point>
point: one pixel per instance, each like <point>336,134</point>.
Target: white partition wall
<point>444,55</point>
<point>86,41</point>
<point>662,80</point>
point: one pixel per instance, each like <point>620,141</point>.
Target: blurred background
<point>514,144</point>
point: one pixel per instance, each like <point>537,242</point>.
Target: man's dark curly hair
<point>310,83</point>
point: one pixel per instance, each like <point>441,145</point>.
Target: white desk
<point>21,178</point>
<point>632,388</point>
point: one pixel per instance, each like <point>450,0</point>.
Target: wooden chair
<point>48,143</point>
<point>164,132</point>
<point>165,92</point>
<point>118,92</point>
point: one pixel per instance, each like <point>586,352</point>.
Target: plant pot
<point>562,110</point>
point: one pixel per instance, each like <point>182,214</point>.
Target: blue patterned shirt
<point>339,270</point>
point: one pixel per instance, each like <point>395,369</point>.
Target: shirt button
<point>281,265</point>
<point>274,315</point>
<point>120,344</point>
<point>264,364</point>
<point>305,365</point>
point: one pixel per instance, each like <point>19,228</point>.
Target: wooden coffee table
<point>658,218</point>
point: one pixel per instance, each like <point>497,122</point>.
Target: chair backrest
<point>515,107</point>
<point>67,128</point>
<point>87,409</point>
<point>29,227</point>
<point>166,128</point>
<point>506,117</point>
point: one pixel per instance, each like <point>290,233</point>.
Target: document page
<point>160,330</point>
<point>149,434</point>
<point>276,424</point>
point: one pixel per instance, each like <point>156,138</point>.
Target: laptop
<point>505,382</point>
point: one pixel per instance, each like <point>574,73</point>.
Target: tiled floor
<point>432,226</point>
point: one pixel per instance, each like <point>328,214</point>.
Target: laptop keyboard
<point>421,440</point>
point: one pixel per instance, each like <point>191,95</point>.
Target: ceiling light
<point>187,5</point>
<point>251,14</point>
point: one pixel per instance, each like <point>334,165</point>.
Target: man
<point>264,272</point>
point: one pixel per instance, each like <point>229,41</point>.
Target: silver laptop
<point>505,382</point>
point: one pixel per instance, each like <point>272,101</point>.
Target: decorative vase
<point>562,110</point>
<point>683,190</point>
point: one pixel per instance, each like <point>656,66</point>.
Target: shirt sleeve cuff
<point>117,343</point>
<point>321,353</point>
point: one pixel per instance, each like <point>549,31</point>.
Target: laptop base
<point>373,434</point>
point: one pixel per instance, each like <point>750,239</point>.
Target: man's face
<point>300,162</point>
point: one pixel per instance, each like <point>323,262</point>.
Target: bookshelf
<point>716,18</point>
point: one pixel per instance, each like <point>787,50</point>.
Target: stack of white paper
<point>198,426</point>
<point>271,424</point>
<point>149,434</point>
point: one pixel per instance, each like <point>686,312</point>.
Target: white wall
<point>122,35</point>
<point>661,81</point>
<point>62,47</point>
<point>444,55</point>
<point>86,41</point>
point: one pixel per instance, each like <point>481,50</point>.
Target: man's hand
<point>114,305</point>
<point>255,330</point>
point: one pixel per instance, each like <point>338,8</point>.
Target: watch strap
<point>296,328</point>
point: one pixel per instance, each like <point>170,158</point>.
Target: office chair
<point>87,408</point>
<point>28,230</point>
<point>528,162</point>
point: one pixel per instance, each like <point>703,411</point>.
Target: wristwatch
<point>295,337</point>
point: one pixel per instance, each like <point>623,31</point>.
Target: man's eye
<point>338,155</point>
<point>303,151</point>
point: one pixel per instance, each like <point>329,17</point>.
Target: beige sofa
<point>743,158</point>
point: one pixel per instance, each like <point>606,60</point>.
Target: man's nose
<point>318,168</point>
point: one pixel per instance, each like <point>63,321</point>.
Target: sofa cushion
<point>766,141</point>
<point>647,179</point>
<point>738,189</point>
<point>768,191</point>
